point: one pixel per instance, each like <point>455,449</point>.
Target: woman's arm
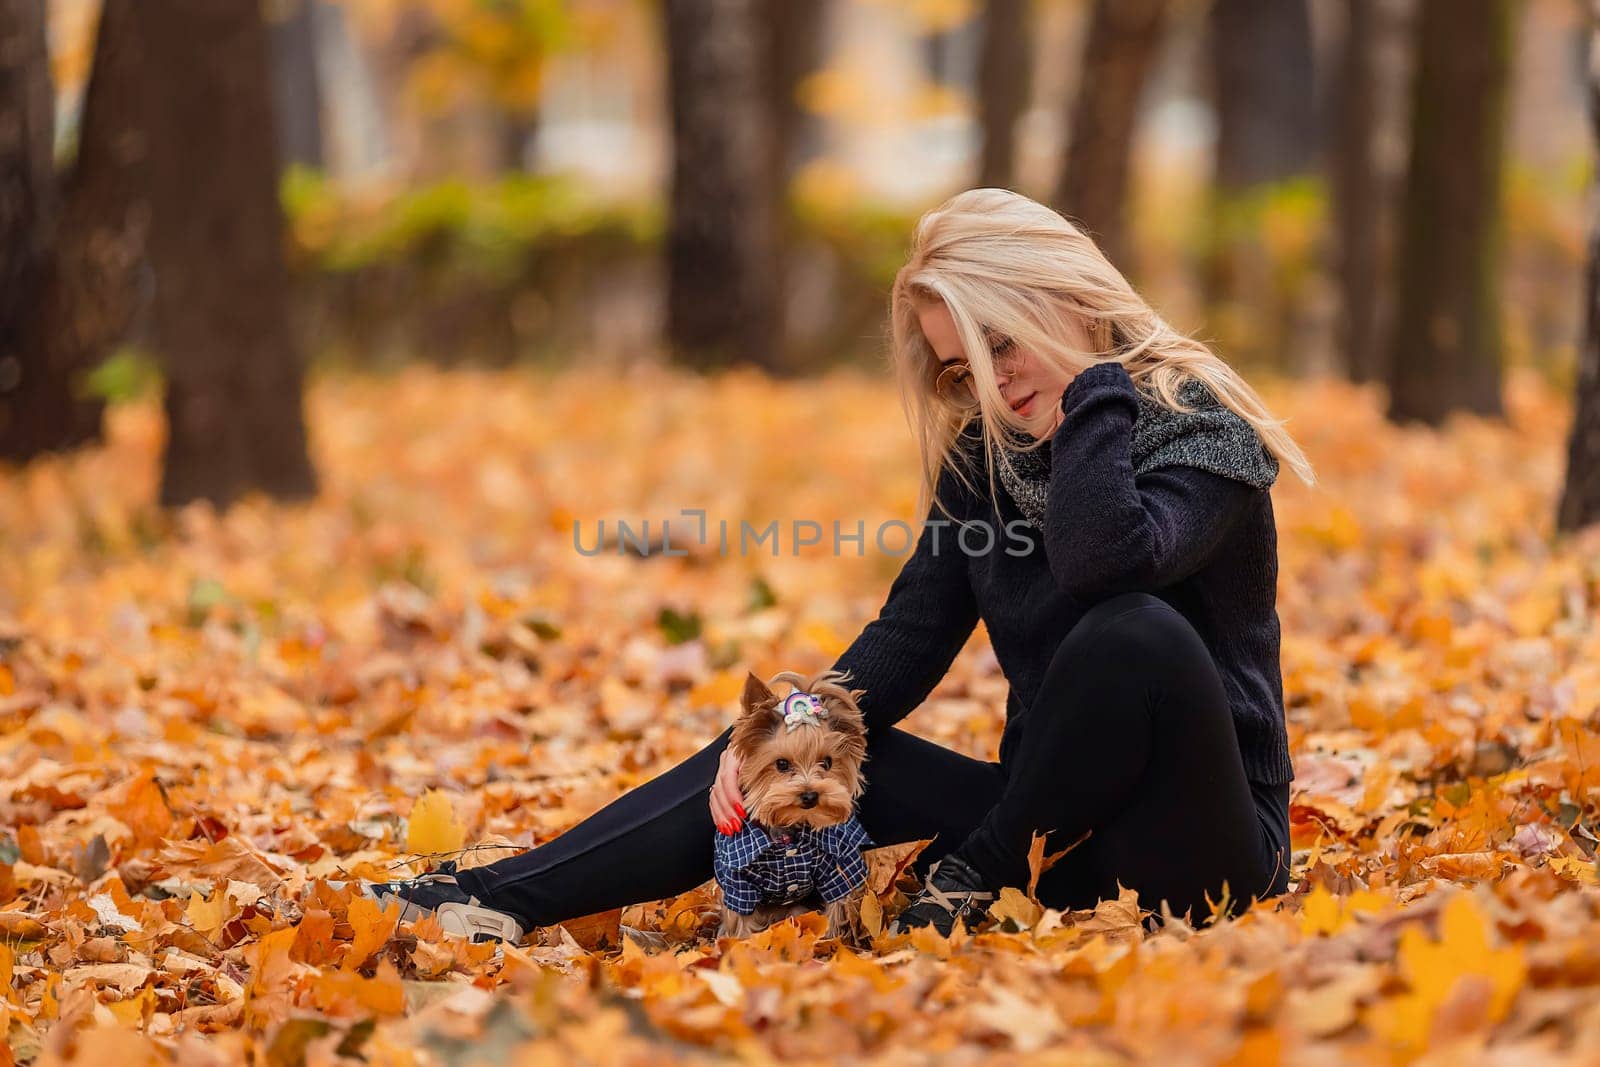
<point>928,616</point>
<point>1109,531</point>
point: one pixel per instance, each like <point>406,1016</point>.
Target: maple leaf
<point>1016,908</point>
<point>926,939</point>
<point>141,805</point>
<point>208,915</point>
<point>1581,769</point>
<point>1433,969</point>
<point>597,931</point>
<point>1118,919</point>
<point>1321,912</point>
<point>373,926</point>
<point>314,942</point>
<point>872,914</point>
<point>432,828</point>
<point>268,996</point>
<point>1038,862</point>
<point>344,992</point>
<point>231,858</point>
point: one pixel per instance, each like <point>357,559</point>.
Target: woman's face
<point>1031,387</point>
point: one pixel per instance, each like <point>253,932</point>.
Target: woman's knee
<point>1139,623</point>
<point>1129,652</point>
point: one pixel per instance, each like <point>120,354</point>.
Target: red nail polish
<point>741,810</point>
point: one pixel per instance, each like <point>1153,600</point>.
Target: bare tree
<point>1368,108</point>
<point>1005,78</point>
<point>722,300</point>
<point>1263,74</point>
<point>92,290</point>
<point>297,84</point>
<point>1263,67</point>
<point>1444,351</point>
<point>1121,47</point>
<point>29,210</point>
<point>1357,190</point>
<point>220,322</point>
<point>791,36</point>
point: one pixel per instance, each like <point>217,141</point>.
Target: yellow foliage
<point>1014,906</point>
<point>350,994</point>
<point>207,916</point>
<point>1437,970</point>
<point>1323,913</point>
<point>373,927</point>
<point>432,827</point>
<point>872,914</point>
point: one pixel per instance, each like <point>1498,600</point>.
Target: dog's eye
<point>783,765</point>
<point>827,763</point>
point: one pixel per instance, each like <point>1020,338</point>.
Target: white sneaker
<point>438,893</point>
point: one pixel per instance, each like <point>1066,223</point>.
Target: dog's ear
<point>755,693</point>
<point>848,720</point>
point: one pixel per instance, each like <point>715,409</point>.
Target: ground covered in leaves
<point>208,723</point>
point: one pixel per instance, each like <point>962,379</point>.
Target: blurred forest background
<point>734,182</point>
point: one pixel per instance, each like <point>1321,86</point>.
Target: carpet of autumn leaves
<point>209,724</point>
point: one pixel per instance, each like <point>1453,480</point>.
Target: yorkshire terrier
<point>800,774</point>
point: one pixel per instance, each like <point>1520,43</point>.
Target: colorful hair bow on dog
<point>802,708</point>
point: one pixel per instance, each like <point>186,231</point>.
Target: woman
<point>1125,569</point>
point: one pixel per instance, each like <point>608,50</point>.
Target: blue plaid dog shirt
<point>761,866</point>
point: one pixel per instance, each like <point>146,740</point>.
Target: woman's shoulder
<point>1211,437</point>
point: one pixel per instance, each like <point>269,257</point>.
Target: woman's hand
<point>1057,416</point>
<point>727,804</point>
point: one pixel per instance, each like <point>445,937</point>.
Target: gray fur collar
<point>1213,438</point>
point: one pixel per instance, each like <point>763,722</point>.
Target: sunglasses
<point>954,382</point>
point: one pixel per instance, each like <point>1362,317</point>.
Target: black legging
<point>1130,737</point>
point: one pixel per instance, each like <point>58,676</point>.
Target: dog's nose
<point>808,799</point>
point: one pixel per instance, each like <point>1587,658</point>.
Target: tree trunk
<point>1580,498</point>
<point>1357,192</point>
<point>221,323</point>
<point>1263,74</point>
<point>1444,351</point>
<point>38,408</point>
<point>791,36</point>
<point>96,279</point>
<point>28,197</point>
<point>1005,81</point>
<point>297,82</point>
<point>1119,52</point>
<point>722,305</point>
<point>1266,115</point>
<point>1366,105</point>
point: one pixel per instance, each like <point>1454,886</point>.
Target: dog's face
<point>809,774</point>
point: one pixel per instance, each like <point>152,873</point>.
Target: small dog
<point>800,760</point>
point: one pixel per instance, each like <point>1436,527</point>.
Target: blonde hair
<point>1007,264</point>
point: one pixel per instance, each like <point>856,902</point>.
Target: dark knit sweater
<point>1202,541</point>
